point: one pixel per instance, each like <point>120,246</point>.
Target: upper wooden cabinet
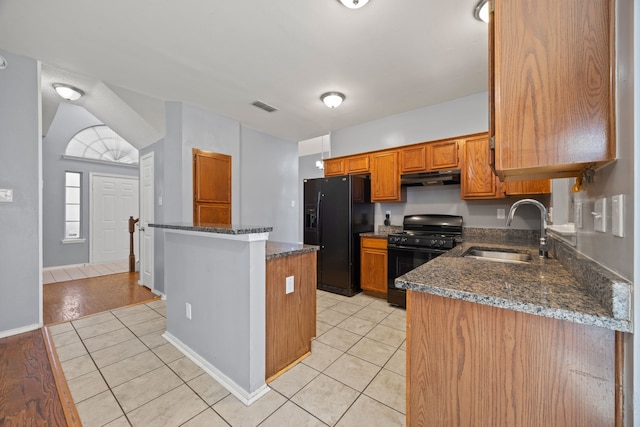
<point>477,180</point>
<point>346,165</point>
<point>517,188</point>
<point>385,177</point>
<point>551,87</point>
<point>413,159</point>
<point>429,156</point>
<point>334,167</point>
<point>358,164</point>
<point>443,155</point>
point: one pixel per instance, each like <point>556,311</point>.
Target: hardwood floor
<point>64,301</point>
<point>28,392</point>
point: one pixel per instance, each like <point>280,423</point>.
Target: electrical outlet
<point>500,214</point>
<point>6,195</point>
<point>188,311</point>
<point>289,284</point>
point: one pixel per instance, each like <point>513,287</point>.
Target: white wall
<point>20,221</point>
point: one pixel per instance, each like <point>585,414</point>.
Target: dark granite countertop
<point>543,286</point>
<point>215,228</point>
<point>282,249</point>
<point>375,235</point>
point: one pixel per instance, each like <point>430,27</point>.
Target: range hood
<point>445,177</point>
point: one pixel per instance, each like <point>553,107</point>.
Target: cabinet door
<point>477,178</point>
<point>553,73</point>
<point>385,177</point>
<point>488,366</point>
<point>414,159</point>
<point>516,188</point>
<point>358,164</point>
<point>373,266</point>
<point>334,167</point>
<point>211,187</point>
<point>444,155</point>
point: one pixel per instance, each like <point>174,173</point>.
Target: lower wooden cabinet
<point>476,365</point>
<point>373,266</point>
<point>290,317</point>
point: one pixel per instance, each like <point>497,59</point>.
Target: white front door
<point>146,217</point>
<point>113,200</point>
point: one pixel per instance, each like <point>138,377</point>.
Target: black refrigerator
<point>336,210</point>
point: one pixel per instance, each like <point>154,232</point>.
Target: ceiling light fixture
<point>481,12</point>
<point>332,99</point>
<point>68,92</point>
<point>3,62</point>
<point>353,4</point>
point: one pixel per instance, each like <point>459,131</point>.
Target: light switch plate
<point>579,215</point>
<point>6,195</point>
<point>500,214</point>
<point>617,215</point>
<point>600,215</point>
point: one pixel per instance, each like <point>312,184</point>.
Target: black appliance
<point>423,238</point>
<point>336,210</point>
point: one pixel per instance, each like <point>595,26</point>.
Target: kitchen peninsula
<point>223,294</point>
<point>528,343</point>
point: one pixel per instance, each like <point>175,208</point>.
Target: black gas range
<point>423,238</point>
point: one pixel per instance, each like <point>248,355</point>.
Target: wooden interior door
<point>211,187</point>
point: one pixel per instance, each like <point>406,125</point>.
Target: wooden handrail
<point>132,257</point>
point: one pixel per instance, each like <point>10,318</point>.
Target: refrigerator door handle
<point>319,223</point>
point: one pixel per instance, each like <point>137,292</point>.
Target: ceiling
<point>389,57</point>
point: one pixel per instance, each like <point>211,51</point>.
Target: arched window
<point>101,143</point>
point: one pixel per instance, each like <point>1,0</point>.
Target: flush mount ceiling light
<point>481,12</point>
<point>68,92</point>
<point>332,99</point>
<point>353,4</point>
<point>3,62</point>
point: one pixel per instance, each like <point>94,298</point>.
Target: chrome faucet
<point>543,250</point>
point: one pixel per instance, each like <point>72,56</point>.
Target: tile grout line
<point>378,368</point>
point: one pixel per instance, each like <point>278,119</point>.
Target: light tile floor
<point>122,372</point>
<point>83,271</point>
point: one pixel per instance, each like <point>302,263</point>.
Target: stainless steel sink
<point>498,254</point>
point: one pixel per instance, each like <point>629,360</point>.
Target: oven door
<point>402,260</point>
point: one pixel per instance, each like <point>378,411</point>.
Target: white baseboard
<point>21,330</point>
<point>225,381</point>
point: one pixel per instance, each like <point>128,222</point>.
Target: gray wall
<point>68,120</point>
<point>615,252</point>
<point>264,174</point>
<point>269,184</point>
<point>449,119</point>
<point>20,170</point>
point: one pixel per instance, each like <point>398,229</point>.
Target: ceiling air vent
<point>266,107</point>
